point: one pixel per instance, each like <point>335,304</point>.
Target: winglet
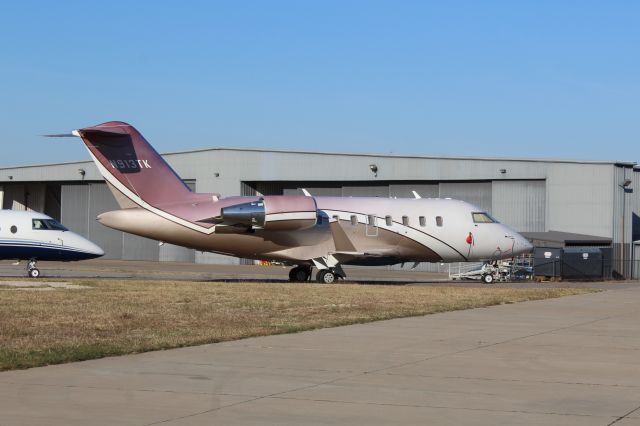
<point>305,192</point>
<point>416,195</point>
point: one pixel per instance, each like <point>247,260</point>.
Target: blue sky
<point>471,78</point>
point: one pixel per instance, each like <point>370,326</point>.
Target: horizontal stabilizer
<point>61,135</point>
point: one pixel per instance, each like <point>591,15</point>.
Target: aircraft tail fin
<point>135,172</point>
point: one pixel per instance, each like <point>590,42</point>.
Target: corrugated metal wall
<point>24,196</point>
<point>14,197</point>
<point>74,213</point>
<point>173,253</point>
<point>520,204</point>
<point>423,189</point>
<point>365,191</point>
<point>101,200</point>
<point>80,206</point>
<point>316,191</point>
<point>477,193</point>
<point>268,188</point>
<point>580,199</point>
<point>624,202</point>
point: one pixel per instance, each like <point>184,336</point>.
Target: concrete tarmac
<point>568,361</point>
<point>183,271</point>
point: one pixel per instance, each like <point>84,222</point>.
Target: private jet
<point>302,231</point>
<point>32,236</point>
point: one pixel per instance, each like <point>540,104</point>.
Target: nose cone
<point>522,245</point>
<point>88,249</point>
<point>95,250</point>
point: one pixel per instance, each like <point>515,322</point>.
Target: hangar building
<point>594,199</point>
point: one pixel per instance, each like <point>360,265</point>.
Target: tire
<point>299,274</point>
<point>326,277</point>
<point>34,273</point>
<point>487,279</point>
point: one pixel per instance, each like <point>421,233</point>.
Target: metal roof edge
<point>62,163</point>
<point>418,156</point>
<point>361,154</point>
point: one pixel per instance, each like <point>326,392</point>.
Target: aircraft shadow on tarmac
<point>286,281</point>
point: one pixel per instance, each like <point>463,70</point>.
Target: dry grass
<point>120,317</point>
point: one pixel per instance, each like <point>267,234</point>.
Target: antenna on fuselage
<point>305,192</point>
<point>416,195</point>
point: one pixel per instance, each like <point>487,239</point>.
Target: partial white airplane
<point>303,231</point>
<point>33,236</point>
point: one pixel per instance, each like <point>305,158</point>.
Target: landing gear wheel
<point>33,273</point>
<point>326,277</point>
<point>487,279</point>
<point>299,274</point>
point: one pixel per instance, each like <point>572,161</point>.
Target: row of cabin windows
<point>478,217</point>
<point>371,220</point>
<point>42,224</point>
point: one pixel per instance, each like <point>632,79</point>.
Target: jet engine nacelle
<point>272,213</point>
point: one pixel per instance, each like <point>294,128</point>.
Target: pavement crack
<point>624,416</point>
<point>489,379</point>
<point>443,407</point>
<point>273,395</point>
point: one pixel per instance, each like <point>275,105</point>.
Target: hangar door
<point>520,204</point>
<point>80,204</point>
<point>476,193</point>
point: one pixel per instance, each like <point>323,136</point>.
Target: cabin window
<point>371,219</point>
<point>439,220</point>
<point>482,217</point>
<point>354,219</point>
<point>405,220</point>
<point>388,220</point>
<point>13,229</point>
<point>423,221</point>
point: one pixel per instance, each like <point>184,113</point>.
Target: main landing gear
<point>326,276</point>
<point>302,273</point>
<point>32,271</point>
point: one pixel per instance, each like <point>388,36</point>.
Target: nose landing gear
<point>487,279</point>
<point>326,276</point>
<point>32,271</point>
<point>302,273</point>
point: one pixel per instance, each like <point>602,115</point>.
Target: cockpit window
<point>49,224</point>
<point>482,217</point>
<point>56,226</point>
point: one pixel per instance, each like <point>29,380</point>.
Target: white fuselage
<point>373,231</point>
<point>26,235</point>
